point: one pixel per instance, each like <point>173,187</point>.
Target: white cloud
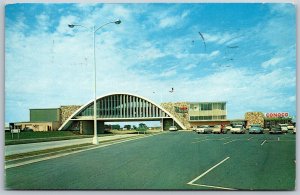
<point>170,72</point>
<point>62,27</point>
<point>168,19</point>
<point>43,21</point>
<point>272,62</point>
<point>190,66</point>
<point>221,38</point>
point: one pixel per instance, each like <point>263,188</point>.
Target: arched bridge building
<point>118,107</point>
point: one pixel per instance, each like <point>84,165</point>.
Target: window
<point>206,106</point>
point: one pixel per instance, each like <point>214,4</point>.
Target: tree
<point>128,127</point>
<point>117,127</point>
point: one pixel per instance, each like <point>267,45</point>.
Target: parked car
<point>256,128</point>
<point>228,127</point>
<point>275,129</point>
<point>203,129</point>
<point>173,128</point>
<point>216,129</point>
<point>284,128</point>
<point>294,131</point>
<point>238,129</point>
<point>290,127</point>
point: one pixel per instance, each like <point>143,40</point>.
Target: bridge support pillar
<point>167,122</point>
<point>87,127</point>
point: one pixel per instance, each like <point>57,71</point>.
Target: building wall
<point>254,118</point>
<point>181,116</point>
<point>38,126</point>
<point>66,112</point>
<point>47,114</point>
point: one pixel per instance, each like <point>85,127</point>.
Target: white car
<point>203,129</point>
<point>173,128</point>
<point>290,127</point>
<point>284,128</point>
<point>216,129</point>
<point>237,129</point>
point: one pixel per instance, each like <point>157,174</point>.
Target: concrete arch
<point>164,113</point>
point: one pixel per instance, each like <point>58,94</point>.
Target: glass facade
<point>207,111</point>
<point>123,106</point>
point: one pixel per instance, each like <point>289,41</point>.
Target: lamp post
<point>94,30</point>
<point>172,90</point>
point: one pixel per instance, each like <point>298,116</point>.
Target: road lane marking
<point>263,142</point>
<point>229,141</point>
<point>209,186</point>
<point>203,174</point>
<point>250,138</point>
<point>199,141</point>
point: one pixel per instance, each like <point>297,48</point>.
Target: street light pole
<point>95,137</point>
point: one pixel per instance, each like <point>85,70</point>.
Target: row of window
<point>123,106</point>
<point>197,118</point>
<point>208,106</point>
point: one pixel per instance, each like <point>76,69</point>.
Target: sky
<point>244,54</point>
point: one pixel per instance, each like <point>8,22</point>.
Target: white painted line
<point>66,154</point>
<point>207,171</point>
<point>250,138</point>
<point>263,142</point>
<point>229,142</point>
<point>198,141</point>
<point>209,186</point>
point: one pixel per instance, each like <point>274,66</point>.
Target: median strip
<point>73,152</point>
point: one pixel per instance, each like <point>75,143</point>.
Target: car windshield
<point>202,126</point>
<point>283,125</point>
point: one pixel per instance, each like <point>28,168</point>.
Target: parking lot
<point>170,161</point>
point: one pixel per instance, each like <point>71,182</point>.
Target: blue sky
<point>249,59</point>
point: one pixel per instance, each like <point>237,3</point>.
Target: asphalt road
<point>169,161</point>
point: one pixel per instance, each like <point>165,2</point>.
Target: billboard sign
<point>182,109</point>
<point>277,115</point>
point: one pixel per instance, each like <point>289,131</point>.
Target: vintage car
<point>290,127</point>
<point>217,129</point>
<point>238,129</point>
<point>173,128</point>
<point>228,127</point>
<point>203,129</point>
<point>275,129</point>
<point>256,128</point>
<point>284,128</point>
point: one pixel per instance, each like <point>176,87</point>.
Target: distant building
<point>46,119</point>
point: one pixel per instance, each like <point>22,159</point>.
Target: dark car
<point>256,128</point>
<point>275,129</point>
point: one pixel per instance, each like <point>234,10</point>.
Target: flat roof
<point>207,102</point>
